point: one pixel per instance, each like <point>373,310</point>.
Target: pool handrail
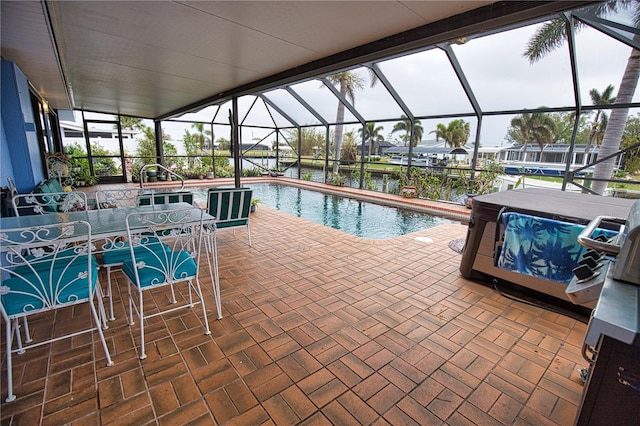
<point>160,167</point>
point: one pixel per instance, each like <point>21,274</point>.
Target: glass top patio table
<point>110,224</point>
<point>104,223</point>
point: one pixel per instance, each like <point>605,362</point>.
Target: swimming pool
<point>359,218</point>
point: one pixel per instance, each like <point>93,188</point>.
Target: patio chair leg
<point>15,331</point>
<point>207,331</point>
<point>212,256</point>
<point>143,354</point>
<point>27,334</point>
<point>173,295</point>
<point>189,287</point>
<point>110,294</point>
<point>104,342</point>
<point>102,313</point>
<point>131,321</point>
<point>10,395</point>
<point>216,284</point>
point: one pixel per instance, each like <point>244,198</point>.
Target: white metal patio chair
<point>45,268</point>
<point>43,203</point>
<point>118,198</point>
<point>50,202</point>
<point>116,251</point>
<point>175,262</point>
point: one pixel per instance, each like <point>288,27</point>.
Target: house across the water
<point>550,161</point>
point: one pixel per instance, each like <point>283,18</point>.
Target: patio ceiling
<point>152,59</point>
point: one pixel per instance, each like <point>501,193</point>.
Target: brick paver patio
<point>319,327</point>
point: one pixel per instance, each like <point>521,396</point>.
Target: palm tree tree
<point>194,145</point>
<point>405,126</point>
<point>599,123</point>
<point>372,134</point>
<point>200,137</point>
<point>535,127</point>
<point>551,36</point>
<point>131,123</point>
<point>455,134</point>
<point>348,83</point>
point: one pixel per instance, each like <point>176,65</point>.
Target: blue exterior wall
<point>18,139</point>
<point>6,168</point>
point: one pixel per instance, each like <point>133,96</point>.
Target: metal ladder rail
<point>160,167</point>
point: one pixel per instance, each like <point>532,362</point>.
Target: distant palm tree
<point>599,123</point>
<point>200,137</point>
<point>348,83</point>
<point>535,127</point>
<point>372,134</point>
<point>552,35</point>
<point>455,134</point>
<point>131,123</point>
<point>405,126</point>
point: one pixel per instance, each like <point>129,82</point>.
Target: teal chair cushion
<point>120,255</point>
<point>180,264</point>
<point>34,291</point>
<point>61,260</point>
<point>45,188</point>
<point>54,185</point>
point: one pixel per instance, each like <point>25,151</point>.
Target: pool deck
<point>319,327</point>
<point>446,209</point>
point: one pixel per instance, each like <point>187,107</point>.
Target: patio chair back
<point>164,245</point>
<point>117,198</point>
<point>231,207</point>
<point>166,197</point>
<point>51,202</point>
<point>45,268</point>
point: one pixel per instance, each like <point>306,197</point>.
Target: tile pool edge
<point>436,208</point>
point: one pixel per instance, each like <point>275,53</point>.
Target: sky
<point>500,77</point>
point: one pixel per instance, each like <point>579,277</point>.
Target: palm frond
<point>547,38</point>
<point>608,92</point>
<point>373,78</point>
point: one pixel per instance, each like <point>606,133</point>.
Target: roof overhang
<point>155,59</point>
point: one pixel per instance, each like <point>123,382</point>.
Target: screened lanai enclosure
<point>488,80</point>
<point>493,314</point>
<point>485,80</point>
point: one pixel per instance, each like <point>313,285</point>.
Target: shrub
<point>252,172</point>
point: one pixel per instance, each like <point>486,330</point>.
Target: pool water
<point>359,218</point>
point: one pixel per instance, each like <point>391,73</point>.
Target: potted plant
<point>82,177</point>
<point>198,171</point>
<point>152,175</point>
<point>275,172</point>
<point>254,204</point>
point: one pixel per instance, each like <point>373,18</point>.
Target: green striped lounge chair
<point>230,207</point>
